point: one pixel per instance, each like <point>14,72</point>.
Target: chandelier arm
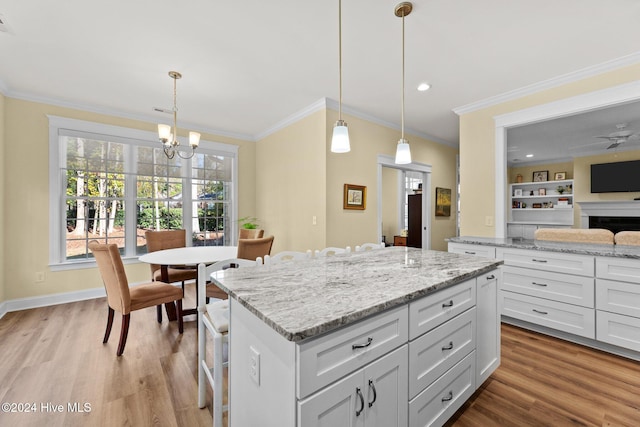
<point>193,152</point>
<point>402,114</point>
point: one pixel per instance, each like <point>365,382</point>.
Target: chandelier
<point>340,139</point>
<point>168,136</point>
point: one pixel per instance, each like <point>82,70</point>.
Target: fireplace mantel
<point>608,208</point>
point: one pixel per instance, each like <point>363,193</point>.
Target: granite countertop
<point>302,299</point>
<point>621,251</point>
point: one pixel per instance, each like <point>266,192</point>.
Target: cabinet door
<point>340,405</point>
<point>414,239</point>
<point>488,326</point>
<point>386,394</point>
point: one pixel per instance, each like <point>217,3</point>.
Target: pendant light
<point>169,136</point>
<point>403,151</point>
<point>340,138</point>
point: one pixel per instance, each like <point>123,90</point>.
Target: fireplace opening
<point>615,223</point>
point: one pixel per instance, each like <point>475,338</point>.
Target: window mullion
<point>187,200</point>
<point>130,201</point>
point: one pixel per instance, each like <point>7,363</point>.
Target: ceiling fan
<point>620,136</point>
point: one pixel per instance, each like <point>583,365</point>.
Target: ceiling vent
<point>3,25</point>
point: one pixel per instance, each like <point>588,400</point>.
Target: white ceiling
<point>249,65</point>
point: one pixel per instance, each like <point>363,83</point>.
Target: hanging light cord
<point>340,55</point>
<point>402,114</point>
<point>175,114</point>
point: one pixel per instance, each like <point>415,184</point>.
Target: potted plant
<point>560,189</point>
<point>249,223</point>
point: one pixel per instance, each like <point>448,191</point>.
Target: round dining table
<point>189,256</point>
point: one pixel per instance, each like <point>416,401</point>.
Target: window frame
<point>57,176</point>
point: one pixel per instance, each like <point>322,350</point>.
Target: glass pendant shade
<point>164,132</point>
<point>403,152</point>
<point>194,139</point>
<point>340,139</point>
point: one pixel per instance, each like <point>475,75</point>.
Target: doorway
<point>398,180</point>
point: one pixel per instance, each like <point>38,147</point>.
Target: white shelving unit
<point>539,204</point>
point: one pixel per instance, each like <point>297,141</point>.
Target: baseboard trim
<point>52,299</point>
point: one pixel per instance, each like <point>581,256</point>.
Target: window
<point>111,184</point>
<point>412,182</point>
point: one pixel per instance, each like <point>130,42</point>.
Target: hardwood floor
<point>54,356</point>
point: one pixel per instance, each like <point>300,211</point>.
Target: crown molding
<point>333,105</point>
<point>318,105</point>
<point>584,73</point>
<point>3,88</point>
<point>115,113</point>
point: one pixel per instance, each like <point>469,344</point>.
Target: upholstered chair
<point>575,235</point>
<point>122,298</point>
<point>253,248</point>
<point>251,233</point>
<point>630,238</point>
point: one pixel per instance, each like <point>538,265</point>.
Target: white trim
<point>388,161</point>
<point>624,61</point>
<point>52,299</point>
<point>117,113</point>
<point>623,208</point>
<point>319,105</point>
<point>565,107</point>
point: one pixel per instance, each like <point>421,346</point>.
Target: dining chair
<point>158,240</point>
<point>369,247</point>
<point>253,248</point>
<point>213,318</point>
<point>122,298</point>
<point>285,256</point>
<point>331,250</point>
<point>629,238</point>
<point>251,233</point>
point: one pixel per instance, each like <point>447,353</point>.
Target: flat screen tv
<point>615,177</point>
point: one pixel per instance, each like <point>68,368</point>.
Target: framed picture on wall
<point>443,201</point>
<point>540,176</point>
<point>559,176</point>
<point>355,197</point>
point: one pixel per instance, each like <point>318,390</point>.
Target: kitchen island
<point>396,336</point>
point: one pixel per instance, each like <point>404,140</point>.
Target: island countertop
<point>619,251</point>
<point>302,299</point>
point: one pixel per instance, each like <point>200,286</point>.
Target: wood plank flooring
<point>54,356</point>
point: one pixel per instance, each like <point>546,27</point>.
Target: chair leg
<point>180,322</point>
<point>159,310</point>
<point>123,333</point>
<point>109,324</point>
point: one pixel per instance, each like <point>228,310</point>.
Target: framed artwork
<point>559,176</point>
<point>542,192</point>
<point>443,201</point>
<point>540,176</point>
<point>355,197</point>
<point>517,192</point>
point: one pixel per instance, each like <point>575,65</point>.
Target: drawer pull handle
<point>448,304</point>
<point>539,260</point>
<point>359,411</point>
<point>449,347</point>
<point>469,252</point>
<point>539,284</point>
<point>491,277</point>
<point>375,393</point>
<point>540,312</point>
<point>449,397</point>
<point>355,346</point>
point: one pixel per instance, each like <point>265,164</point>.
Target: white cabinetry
<point>468,249</point>
<point>618,302</point>
<point>413,365</point>
<point>539,204</point>
<point>373,396</point>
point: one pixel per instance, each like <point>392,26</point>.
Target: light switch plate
<point>254,365</point>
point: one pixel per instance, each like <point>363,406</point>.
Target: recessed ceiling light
<point>423,86</point>
<point>529,155</point>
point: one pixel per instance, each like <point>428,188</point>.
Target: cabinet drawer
<point>477,250</point>
<point>557,262</point>
<point>327,358</point>
<point>623,331</point>
<point>563,317</point>
<point>627,270</point>
<point>433,310</point>
<point>618,297</point>
<point>442,399</point>
<point>435,352</point>
<point>567,288</point>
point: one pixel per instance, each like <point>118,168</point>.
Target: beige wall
<point>390,212</point>
<point>26,201</point>
<point>477,145</point>
<point>359,166</point>
<point>290,189</point>
<point>3,224</point>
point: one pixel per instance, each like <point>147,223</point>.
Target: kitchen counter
<point>620,251</point>
<point>303,299</point>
